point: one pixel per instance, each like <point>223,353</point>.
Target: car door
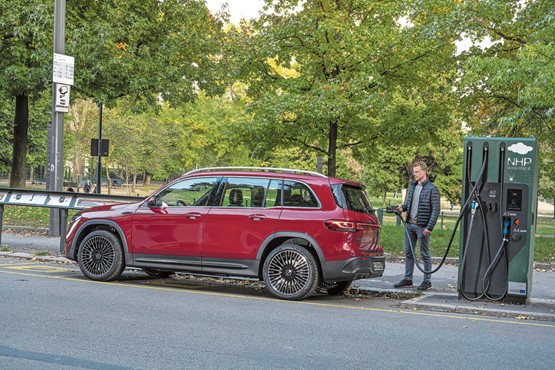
<point>245,216</point>
<point>168,229</point>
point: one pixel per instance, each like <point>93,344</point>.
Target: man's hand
<point>426,232</point>
<point>400,208</point>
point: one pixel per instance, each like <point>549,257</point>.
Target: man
<point>87,187</point>
<point>423,208</point>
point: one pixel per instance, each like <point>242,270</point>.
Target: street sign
<point>62,97</point>
<point>63,69</point>
<point>105,145</point>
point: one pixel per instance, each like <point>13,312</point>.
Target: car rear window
<point>352,198</point>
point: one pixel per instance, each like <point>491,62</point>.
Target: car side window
<point>245,192</point>
<point>187,193</point>
<point>297,194</point>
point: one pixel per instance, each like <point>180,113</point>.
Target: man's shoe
<point>424,286</point>
<point>403,283</point>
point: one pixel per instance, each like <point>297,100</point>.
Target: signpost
<point>62,80</point>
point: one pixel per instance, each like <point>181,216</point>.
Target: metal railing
<point>62,200</point>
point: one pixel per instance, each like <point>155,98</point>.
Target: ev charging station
<point>499,194</point>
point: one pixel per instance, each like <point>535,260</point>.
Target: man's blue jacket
<point>428,206</point>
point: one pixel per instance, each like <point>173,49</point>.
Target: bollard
<point>442,215</point>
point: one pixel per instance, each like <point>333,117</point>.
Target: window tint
<point>190,192</point>
<point>245,192</point>
<point>351,198</point>
<point>297,194</point>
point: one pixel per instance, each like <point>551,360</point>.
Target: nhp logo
<point>522,149</point>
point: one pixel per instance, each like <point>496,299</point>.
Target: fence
<point>62,200</point>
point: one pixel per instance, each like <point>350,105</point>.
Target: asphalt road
<point>54,318</point>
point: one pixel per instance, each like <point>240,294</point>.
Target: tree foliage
<point>144,49</point>
<point>330,75</point>
<point>508,88</point>
<point>25,63</point>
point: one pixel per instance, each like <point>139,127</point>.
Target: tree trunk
<point>332,149</point>
<point>108,180</point>
<point>148,179</point>
<point>133,186</point>
<point>20,139</point>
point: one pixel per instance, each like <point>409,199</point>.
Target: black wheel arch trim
<point>291,235</point>
<point>95,222</point>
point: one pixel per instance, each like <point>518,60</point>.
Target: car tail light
<point>343,226</point>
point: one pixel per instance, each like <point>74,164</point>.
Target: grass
<point>43,253</point>
<point>392,238</point>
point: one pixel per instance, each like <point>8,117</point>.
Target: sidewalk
<point>443,295</point>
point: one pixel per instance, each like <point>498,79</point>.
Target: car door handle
<point>192,215</point>
<point>257,217</point>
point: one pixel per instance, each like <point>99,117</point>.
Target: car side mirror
<point>151,202</point>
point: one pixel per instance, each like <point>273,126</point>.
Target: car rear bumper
<point>363,267</point>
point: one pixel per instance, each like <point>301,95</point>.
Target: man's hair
<point>422,165</point>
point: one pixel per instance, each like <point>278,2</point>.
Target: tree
<point>25,46</point>
<point>508,88</point>
<point>331,75</point>
<point>139,49</point>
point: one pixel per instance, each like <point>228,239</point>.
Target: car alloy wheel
<point>291,272</point>
<point>101,256</point>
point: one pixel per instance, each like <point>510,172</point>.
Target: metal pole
<point>1,221</point>
<point>56,147</point>
<point>99,147</point>
<point>63,226</point>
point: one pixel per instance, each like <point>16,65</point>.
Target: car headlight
<point>75,218</point>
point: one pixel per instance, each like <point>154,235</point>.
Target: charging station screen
<point>514,200</point>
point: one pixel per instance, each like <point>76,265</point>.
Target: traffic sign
<point>63,69</point>
<point>62,98</point>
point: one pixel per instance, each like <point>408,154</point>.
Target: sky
<point>237,8</point>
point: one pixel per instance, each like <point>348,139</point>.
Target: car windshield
<point>352,198</point>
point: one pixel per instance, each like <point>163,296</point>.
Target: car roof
<point>288,173</point>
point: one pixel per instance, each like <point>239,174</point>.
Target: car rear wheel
<point>291,272</point>
<point>334,287</point>
<point>101,256</point>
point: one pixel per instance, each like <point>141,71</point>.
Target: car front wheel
<point>101,256</point>
<point>291,272</point>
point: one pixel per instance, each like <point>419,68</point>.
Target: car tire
<point>157,273</point>
<point>100,256</point>
<point>291,272</point>
<point>334,287</point>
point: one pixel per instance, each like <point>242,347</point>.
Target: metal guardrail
<point>62,200</point>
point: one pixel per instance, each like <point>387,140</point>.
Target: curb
<point>32,257</point>
<point>418,300</point>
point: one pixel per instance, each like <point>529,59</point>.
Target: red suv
<point>295,230</point>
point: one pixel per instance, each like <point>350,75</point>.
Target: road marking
<point>320,304</point>
<point>38,268</point>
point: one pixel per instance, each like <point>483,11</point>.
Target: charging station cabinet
<point>500,177</point>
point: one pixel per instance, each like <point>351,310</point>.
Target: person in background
<point>87,187</point>
<point>423,208</point>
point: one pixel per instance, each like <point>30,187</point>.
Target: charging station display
<point>500,177</point>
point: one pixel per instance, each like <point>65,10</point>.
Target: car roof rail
<point>261,169</point>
